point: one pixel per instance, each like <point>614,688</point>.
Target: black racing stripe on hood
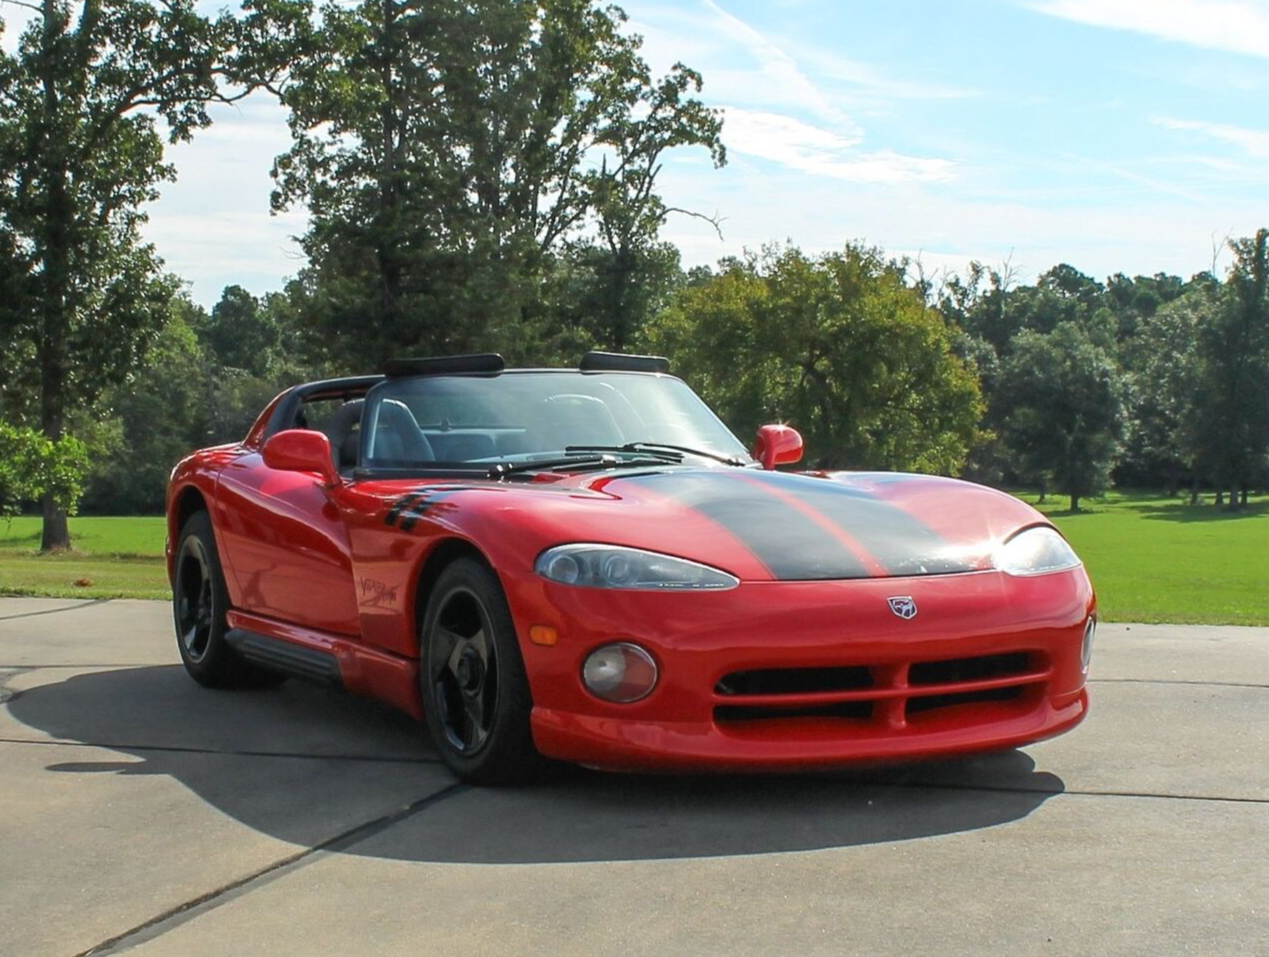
<point>897,539</point>
<point>791,544</point>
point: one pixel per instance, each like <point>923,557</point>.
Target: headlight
<point>1036,551</point>
<point>614,566</point>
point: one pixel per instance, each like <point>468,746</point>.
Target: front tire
<point>475,691</point>
<point>199,602</point>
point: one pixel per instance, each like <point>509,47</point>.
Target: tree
<point>33,467</point>
<point>80,155</point>
<point>839,346</point>
<point>446,150</point>
<point>1233,395</point>
<point>1163,440</point>
<point>239,333</point>
<point>162,415</point>
<point>1065,395</point>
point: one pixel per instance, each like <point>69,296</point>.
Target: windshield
<point>477,421</point>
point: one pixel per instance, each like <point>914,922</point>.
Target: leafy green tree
<point>446,150</point>
<point>162,415</point>
<point>1065,396</point>
<point>240,332</point>
<point>592,303</point>
<point>80,155</point>
<point>1164,385</point>
<point>33,467</point>
<point>838,345</point>
<point>1233,393</point>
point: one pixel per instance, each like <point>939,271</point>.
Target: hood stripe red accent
<point>874,568</point>
<point>794,546</point>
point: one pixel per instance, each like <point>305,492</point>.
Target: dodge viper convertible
<point>586,565</point>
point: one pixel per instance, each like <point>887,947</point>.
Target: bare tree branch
<point>716,221</point>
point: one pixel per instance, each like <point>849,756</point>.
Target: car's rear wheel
<point>475,691</point>
<point>199,602</point>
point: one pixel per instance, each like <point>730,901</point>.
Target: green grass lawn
<point>112,557</point>
<point>1151,558</point>
<point>1157,559</point>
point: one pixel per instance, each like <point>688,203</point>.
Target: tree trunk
<point>56,276</point>
<point>1243,502</point>
<point>1075,503</point>
<point>56,534</point>
<point>1194,489</point>
<point>1220,498</point>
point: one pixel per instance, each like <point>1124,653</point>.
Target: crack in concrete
<point>53,611</point>
<point>219,752</point>
<point>1175,681</point>
<point>94,664</point>
<point>175,916</point>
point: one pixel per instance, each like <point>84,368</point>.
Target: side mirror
<point>301,450</point>
<point>778,445</point>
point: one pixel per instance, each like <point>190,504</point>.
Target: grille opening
<point>855,710</point>
<point>794,681</point>
<point>918,705</point>
<point>969,669</point>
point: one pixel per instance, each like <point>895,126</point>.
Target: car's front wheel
<point>475,692</point>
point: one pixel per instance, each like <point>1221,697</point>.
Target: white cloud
<point>1253,142</point>
<point>833,67</point>
<point>1239,26</point>
<point>776,68</point>
<point>811,149</point>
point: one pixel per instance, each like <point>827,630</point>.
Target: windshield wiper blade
<point>504,469</point>
<point>664,452</point>
<point>665,447</point>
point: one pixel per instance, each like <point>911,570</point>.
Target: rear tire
<point>475,692</point>
<point>199,603</point>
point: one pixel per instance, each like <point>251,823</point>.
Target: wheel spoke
<point>191,638</point>
<point>481,644</point>
<point>449,649</point>
<point>474,711</point>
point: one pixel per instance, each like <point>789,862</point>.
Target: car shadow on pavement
<point>282,762</point>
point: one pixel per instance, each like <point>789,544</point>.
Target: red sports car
<point>587,565</point>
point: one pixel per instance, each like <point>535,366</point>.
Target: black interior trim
<point>488,363</point>
<point>352,387</point>
<point>620,362</point>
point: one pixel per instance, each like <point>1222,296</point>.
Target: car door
<point>286,545</point>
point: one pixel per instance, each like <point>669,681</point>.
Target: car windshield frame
<point>715,440</point>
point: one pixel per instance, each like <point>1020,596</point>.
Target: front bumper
<point>989,662</point>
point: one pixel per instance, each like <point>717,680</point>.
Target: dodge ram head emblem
<point>903,606</point>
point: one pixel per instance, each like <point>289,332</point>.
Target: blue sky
<point>1110,134</point>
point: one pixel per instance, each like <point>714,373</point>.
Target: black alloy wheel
<point>475,691</point>
<point>464,672</point>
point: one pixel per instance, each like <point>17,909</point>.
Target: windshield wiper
<point>664,452</point>
<point>659,448</point>
<point>503,469</point>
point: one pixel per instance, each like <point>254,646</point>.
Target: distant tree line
<point>483,175</point>
<point>1149,381</point>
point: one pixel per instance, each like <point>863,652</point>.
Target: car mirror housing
<point>301,450</point>
<point>778,445</point>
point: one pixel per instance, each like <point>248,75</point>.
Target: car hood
<point>757,525</point>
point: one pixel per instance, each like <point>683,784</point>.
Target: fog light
<point>620,672</point>
<point>1086,653</point>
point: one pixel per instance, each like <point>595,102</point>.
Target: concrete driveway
<point>142,814</point>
